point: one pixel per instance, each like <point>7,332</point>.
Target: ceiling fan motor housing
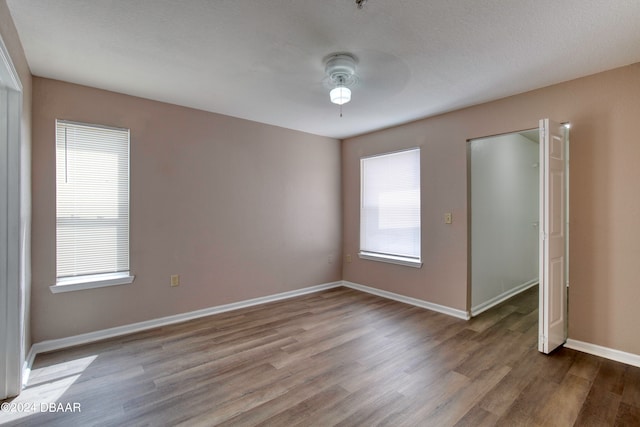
<point>341,69</point>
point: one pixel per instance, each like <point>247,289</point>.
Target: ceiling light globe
<point>340,95</point>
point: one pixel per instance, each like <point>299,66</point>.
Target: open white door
<point>553,235</point>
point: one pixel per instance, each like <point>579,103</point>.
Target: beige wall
<point>604,111</point>
<point>14,47</point>
<point>238,209</point>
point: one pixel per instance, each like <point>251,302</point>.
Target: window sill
<point>80,283</point>
<point>409,262</point>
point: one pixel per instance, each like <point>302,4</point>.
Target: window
<point>390,208</point>
<point>92,206</point>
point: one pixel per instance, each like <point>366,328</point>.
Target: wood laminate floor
<point>338,357</point>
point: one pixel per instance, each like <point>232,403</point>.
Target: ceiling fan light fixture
<point>340,95</point>
<point>341,70</point>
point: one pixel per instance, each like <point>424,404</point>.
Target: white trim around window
<point>80,283</point>
<point>92,206</point>
<point>390,229</point>
<point>392,259</point>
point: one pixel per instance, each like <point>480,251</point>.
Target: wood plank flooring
<point>339,357</point>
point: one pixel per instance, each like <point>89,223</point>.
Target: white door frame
<point>543,310</point>
<point>12,243</point>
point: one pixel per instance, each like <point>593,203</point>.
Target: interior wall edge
<point>481,308</point>
<point>450,311</point>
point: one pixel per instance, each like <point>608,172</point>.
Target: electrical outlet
<point>348,258</point>
<point>330,259</point>
<point>448,218</point>
<point>175,280</point>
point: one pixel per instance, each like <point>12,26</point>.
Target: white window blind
<point>390,205</point>
<point>92,199</point>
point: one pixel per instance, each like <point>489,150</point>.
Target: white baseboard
<point>26,367</point>
<point>607,353</point>
<point>460,314</point>
<point>502,297</point>
<point>58,344</point>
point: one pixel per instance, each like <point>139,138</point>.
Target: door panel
<point>553,256</point>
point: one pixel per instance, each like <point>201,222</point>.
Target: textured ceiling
<point>262,60</point>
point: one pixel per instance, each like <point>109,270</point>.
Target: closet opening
<point>504,223</point>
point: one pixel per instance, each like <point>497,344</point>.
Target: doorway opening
<point>506,225</point>
<point>504,201</point>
